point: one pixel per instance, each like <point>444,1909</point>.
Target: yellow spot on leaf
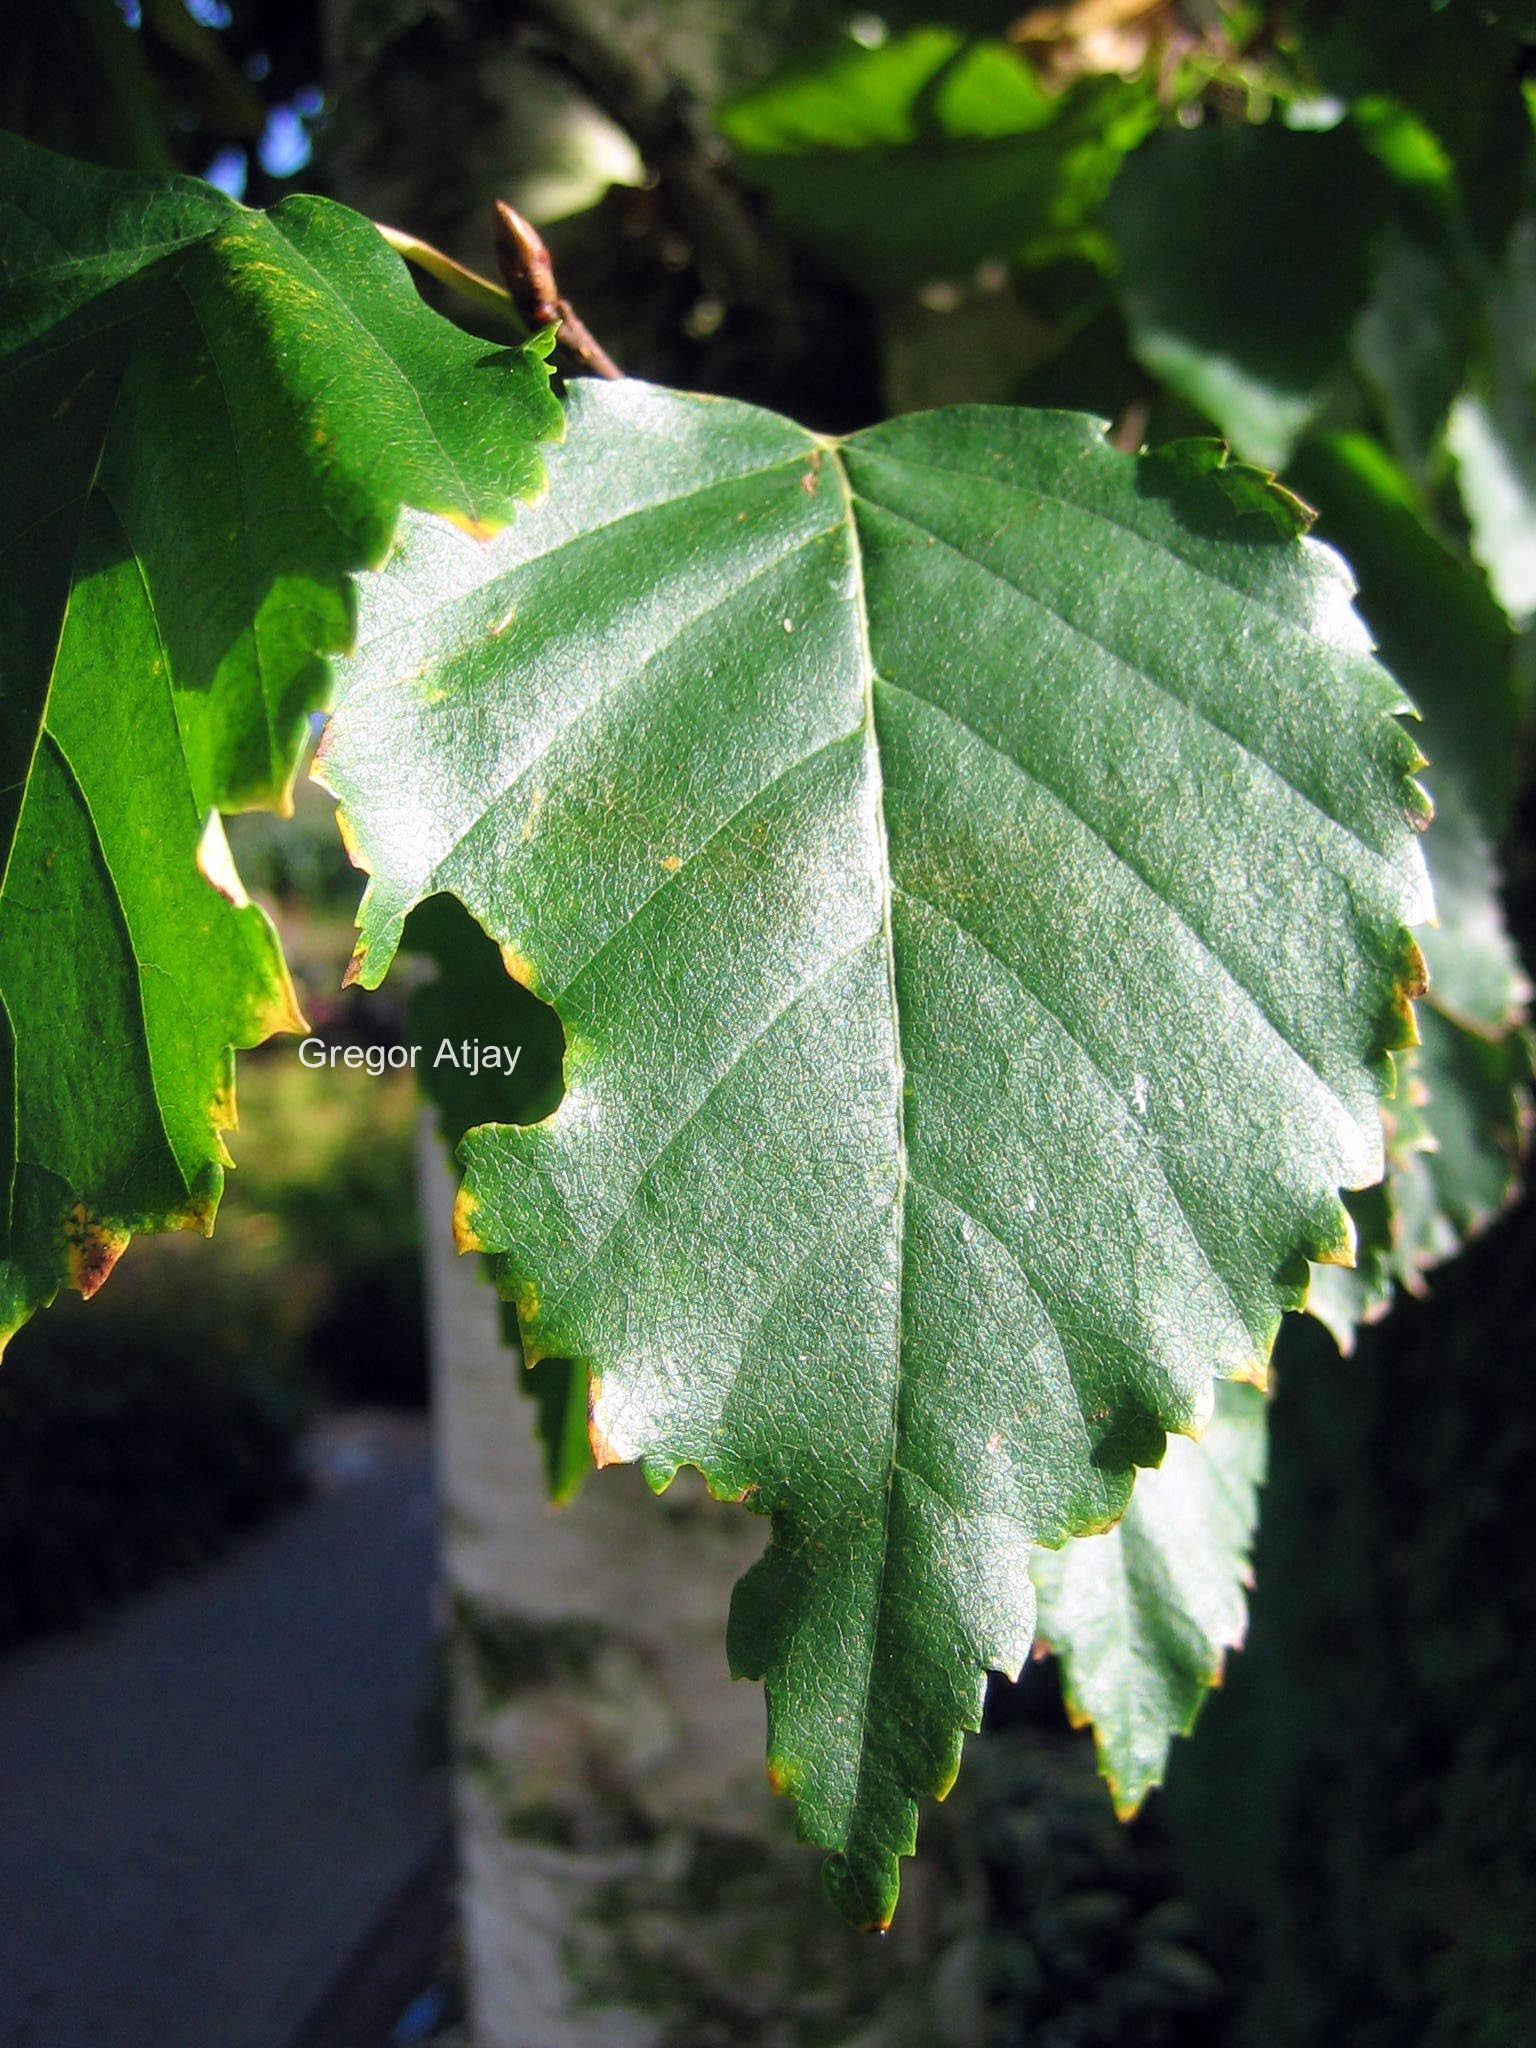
<point>603,1452</point>
<point>1340,1251</point>
<point>464,1207</point>
<point>519,967</point>
<point>477,529</point>
<point>343,822</point>
<point>279,1012</point>
<point>221,1111</point>
<point>199,1214</point>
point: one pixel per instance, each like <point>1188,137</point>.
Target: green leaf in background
<point>1141,1617</point>
<point>1245,258</point>
<point>257,395</point>
<point>127,976</point>
<point>1443,636</point>
<point>925,156</point>
<point>971,868</point>
<point>1411,342</point>
<point>208,419</point>
<point>1450,72</point>
<point>1455,1135</point>
<point>1477,1112</point>
<point>1492,433</point>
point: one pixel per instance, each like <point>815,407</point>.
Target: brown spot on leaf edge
<point>93,1248</point>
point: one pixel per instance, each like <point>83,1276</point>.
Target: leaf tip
<point>281,1012</point>
<point>92,1248</point>
<point>1246,487</point>
<point>1341,1247</point>
<point>866,1897</point>
<point>1126,1802</point>
<point>216,864</point>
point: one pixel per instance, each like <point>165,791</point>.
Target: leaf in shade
<point>1141,1617</point>
<point>1456,1128</point>
<point>472,997</point>
<point>1245,259</point>
<point>925,156</point>
<point>1492,433</point>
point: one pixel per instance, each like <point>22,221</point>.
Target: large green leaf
<point>1245,260</point>
<point>1142,1616</point>
<point>922,157</point>
<point>208,418</point>
<point>971,867</point>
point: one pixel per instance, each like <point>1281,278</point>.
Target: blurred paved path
<point>207,1800</point>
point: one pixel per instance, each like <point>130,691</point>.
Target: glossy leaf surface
<point>256,395</point>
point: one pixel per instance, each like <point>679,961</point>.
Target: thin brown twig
<point>529,275</point>
<point>1130,429</point>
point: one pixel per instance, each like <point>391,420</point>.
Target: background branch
<point>735,254</point>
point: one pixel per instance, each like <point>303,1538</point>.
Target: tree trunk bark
<point>626,1878</point>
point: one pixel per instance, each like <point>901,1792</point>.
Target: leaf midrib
<point>887,893</point>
